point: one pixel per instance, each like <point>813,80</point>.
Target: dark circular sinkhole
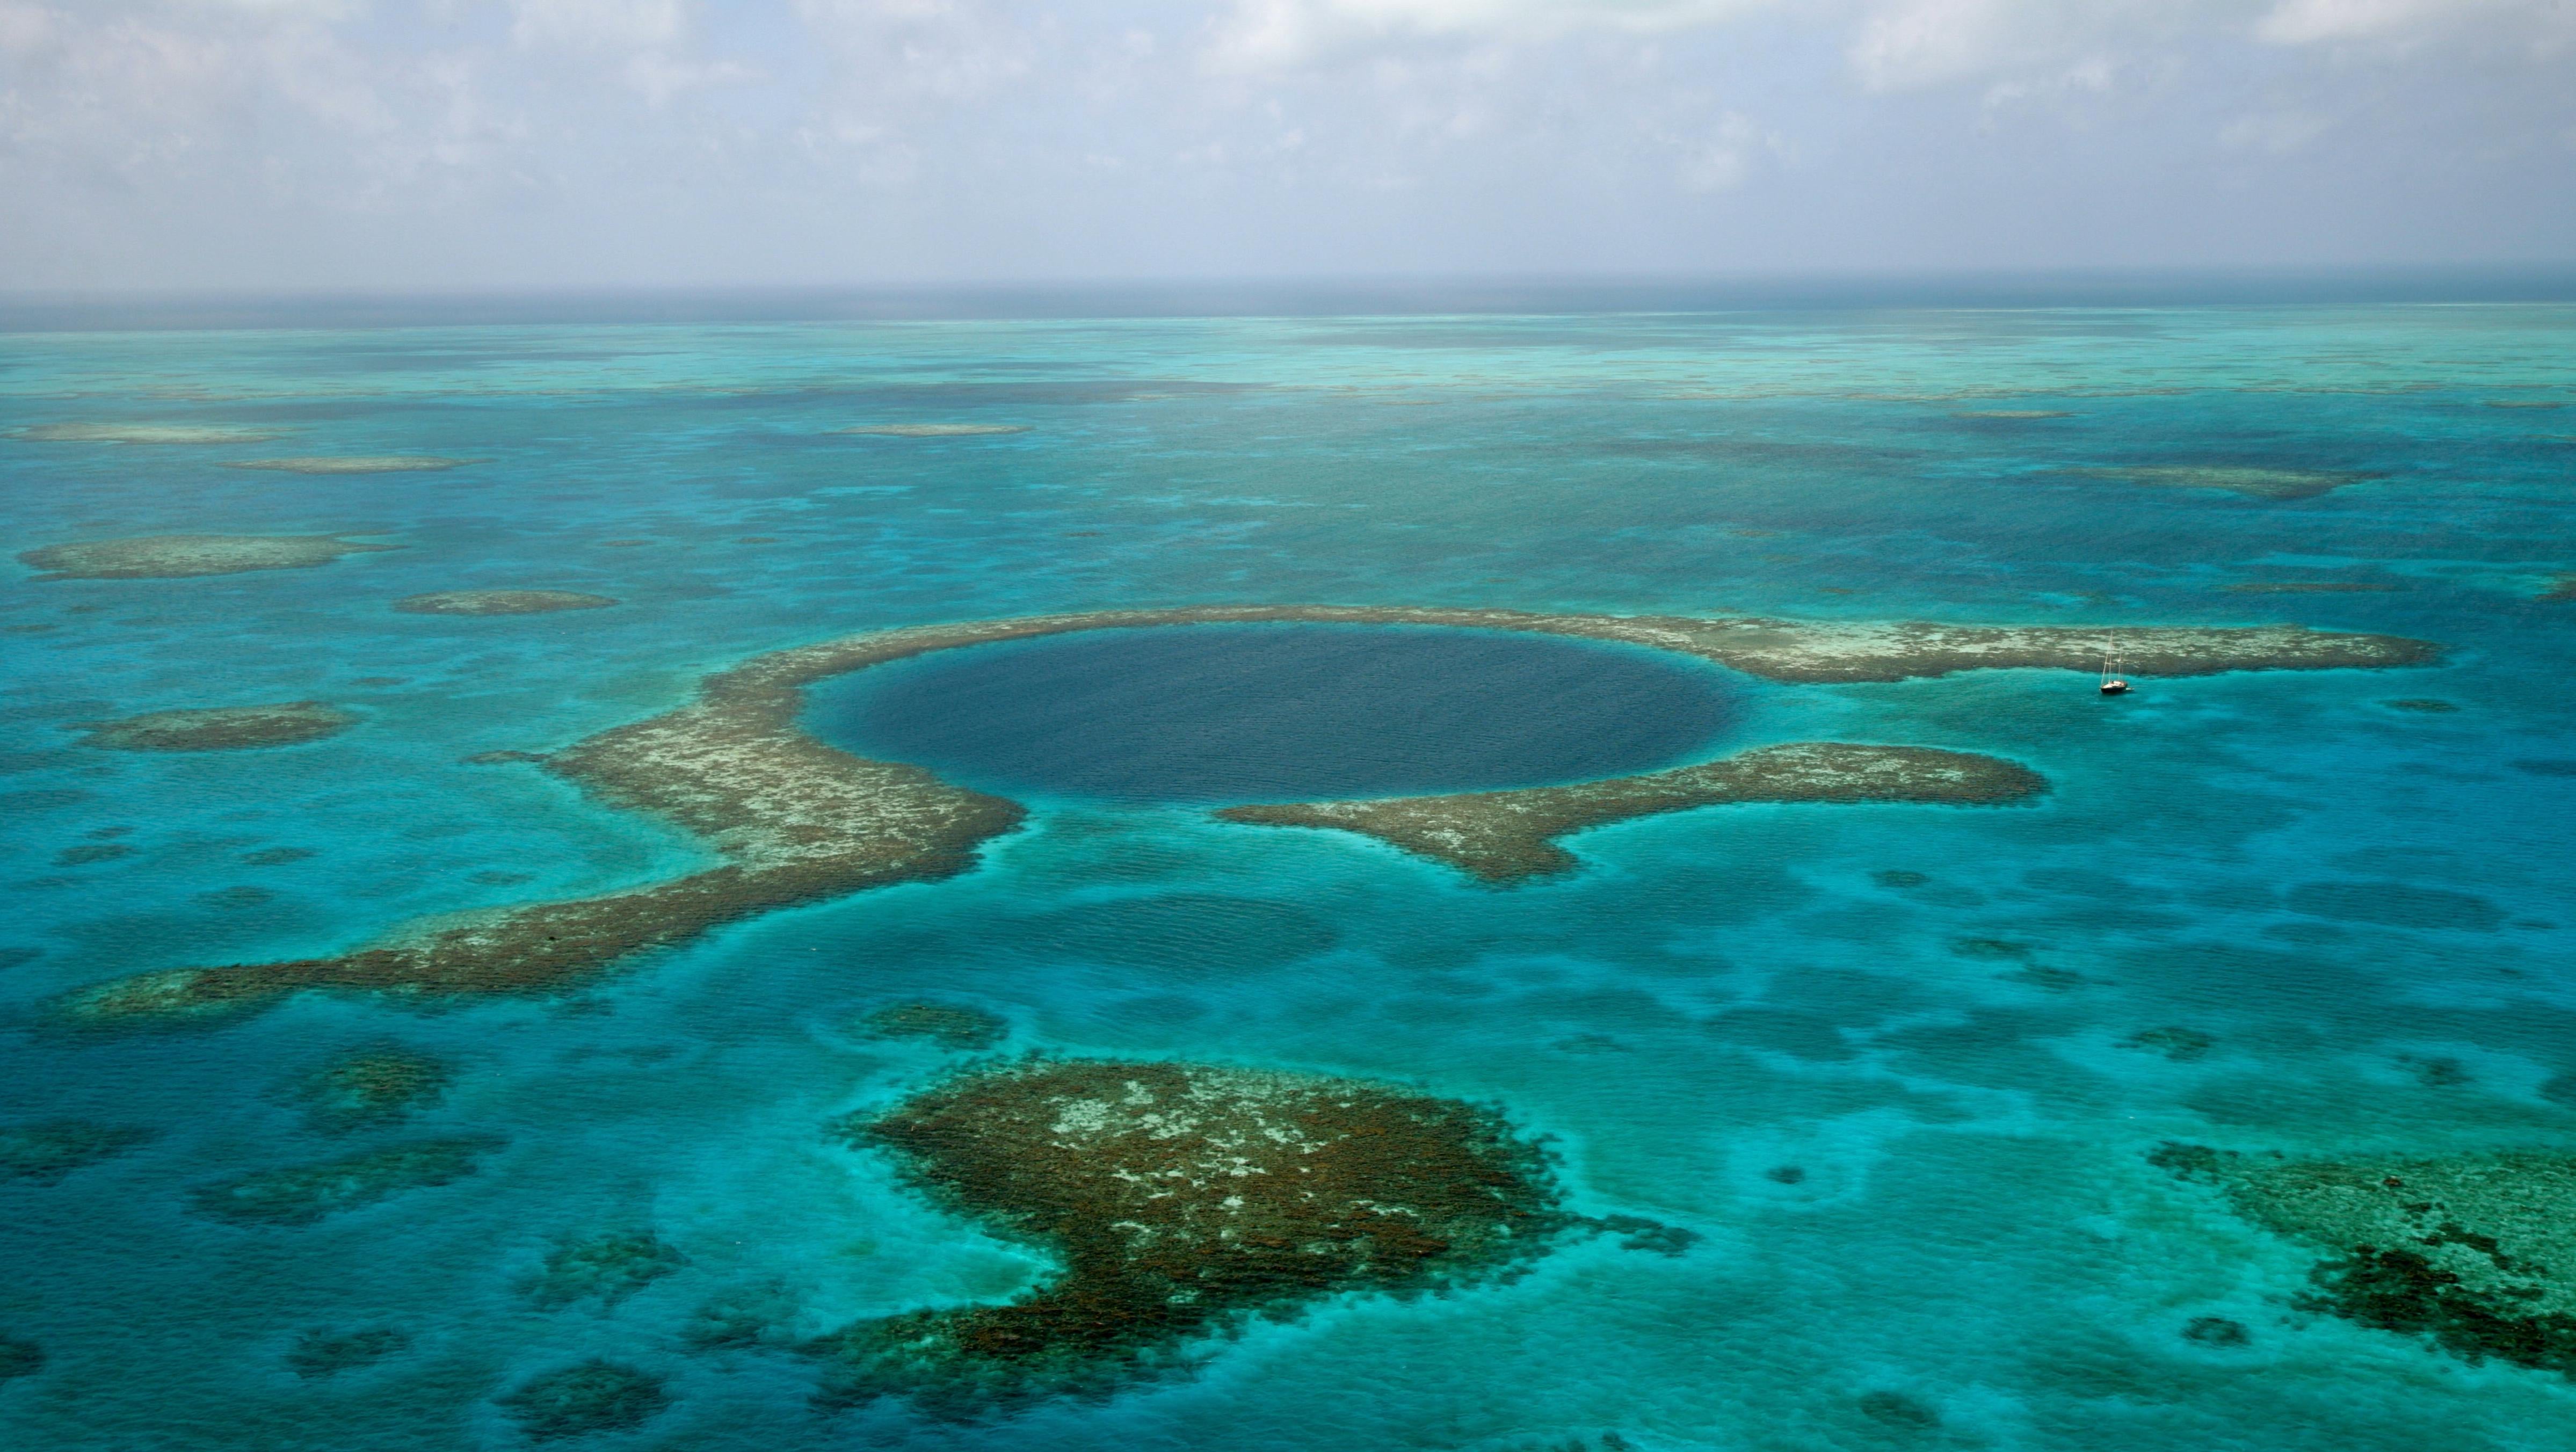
<point>1256,713</point>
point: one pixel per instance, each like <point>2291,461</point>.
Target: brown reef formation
<point>370,1087</point>
<point>2564,589</point>
<point>1178,1199</point>
<point>304,1194</point>
<point>1507,836</point>
<point>500,602</point>
<point>935,430</point>
<point>176,556</point>
<point>353,464</point>
<point>2249,480</point>
<point>128,433</point>
<point>2476,1252</point>
<point>953,1026</point>
<point>793,821</point>
<point>219,728</point>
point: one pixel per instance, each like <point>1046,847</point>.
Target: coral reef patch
<point>1505,837</point>
<point>372,1086</point>
<point>2427,705</point>
<point>595,1396</point>
<point>795,821</point>
<point>2475,1252</point>
<point>19,1357</point>
<point>2181,1045</point>
<point>935,430</point>
<point>607,1267</point>
<point>2309,587</point>
<point>2217,1331</point>
<point>500,602</point>
<point>180,556</point>
<point>948,1025</point>
<point>304,1194</point>
<point>761,1314</point>
<point>219,728</point>
<point>1178,1199</point>
<point>44,1152</point>
<point>353,464</point>
<point>2248,480</point>
<point>130,433</point>
<point>319,1354</point>
<point>2563,590</point>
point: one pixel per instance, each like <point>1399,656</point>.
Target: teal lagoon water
<point>2364,907</point>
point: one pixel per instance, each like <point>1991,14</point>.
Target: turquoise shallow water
<point>2366,909</point>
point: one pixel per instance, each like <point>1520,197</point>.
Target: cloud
<point>605,24</point>
<point>1255,35</point>
<point>338,141</point>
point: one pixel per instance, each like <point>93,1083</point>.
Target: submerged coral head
<point>1178,1198</point>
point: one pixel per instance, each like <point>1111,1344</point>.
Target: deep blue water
<point>2338,892</point>
<point>1263,713</point>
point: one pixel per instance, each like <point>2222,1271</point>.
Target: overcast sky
<point>517,143</point>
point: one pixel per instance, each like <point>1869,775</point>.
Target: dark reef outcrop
<point>44,1152</point>
<point>1503,837</point>
<point>500,602</point>
<point>178,556</point>
<point>1178,1199</point>
<point>303,1194</point>
<point>2476,1252</point>
<point>19,1357</point>
<point>606,1267</point>
<point>795,821</point>
<point>328,1353</point>
<point>948,1025</point>
<point>219,728</point>
<point>594,1396</point>
<point>373,1086</point>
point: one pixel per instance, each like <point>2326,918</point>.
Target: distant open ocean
<point>2349,895</point>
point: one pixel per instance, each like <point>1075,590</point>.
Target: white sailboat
<point>2112,685</point>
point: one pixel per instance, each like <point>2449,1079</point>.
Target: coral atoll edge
<point>793,820</point>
